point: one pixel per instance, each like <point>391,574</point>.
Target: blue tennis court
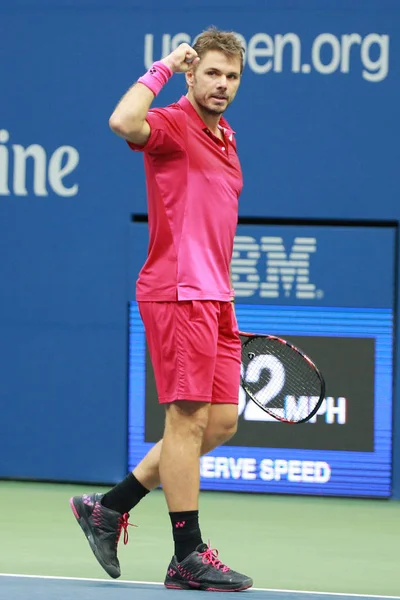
<point>23,587</point>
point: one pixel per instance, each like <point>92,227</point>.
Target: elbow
<point>124,128</point>
<point>116,125</point>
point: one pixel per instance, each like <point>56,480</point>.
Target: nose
<point>222,82</point>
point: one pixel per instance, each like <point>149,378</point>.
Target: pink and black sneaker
<point>202,570</point>
<point>102,527</point>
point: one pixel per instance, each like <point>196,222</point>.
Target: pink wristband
<point>156,77</point>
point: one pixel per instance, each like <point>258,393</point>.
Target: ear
<point>189,78</point>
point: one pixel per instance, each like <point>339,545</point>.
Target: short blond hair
<point>224,41</point>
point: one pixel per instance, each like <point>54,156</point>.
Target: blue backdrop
<point>317,128</point>
<point>314,282</point>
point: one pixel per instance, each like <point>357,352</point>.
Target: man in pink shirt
<point>184,295</point>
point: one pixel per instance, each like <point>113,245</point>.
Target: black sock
<point>186,532</point>
<point>125,495</point>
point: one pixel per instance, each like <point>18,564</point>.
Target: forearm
<point>131,111</point>
<point>129,117</point>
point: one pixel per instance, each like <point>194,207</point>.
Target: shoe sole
<point>192,585</point>
<point>112,572</point>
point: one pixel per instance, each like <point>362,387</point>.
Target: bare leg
<point>179,468</point>
<point>221,426</point>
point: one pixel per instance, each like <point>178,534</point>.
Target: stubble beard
<point>215,112</point>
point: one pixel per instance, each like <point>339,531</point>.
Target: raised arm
<point>129,117</point>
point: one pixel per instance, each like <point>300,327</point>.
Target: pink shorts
<point>195,350</point>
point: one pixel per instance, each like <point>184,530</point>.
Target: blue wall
<point>316,141</point>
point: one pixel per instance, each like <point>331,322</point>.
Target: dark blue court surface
<point>20,587</point>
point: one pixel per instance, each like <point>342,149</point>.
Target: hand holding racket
<point>271,365</point>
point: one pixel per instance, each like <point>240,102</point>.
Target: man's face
<point>214,82</point>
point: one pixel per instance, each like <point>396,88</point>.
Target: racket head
<point>280,378</point>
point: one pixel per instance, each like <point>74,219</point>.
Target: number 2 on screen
<point>274,386</point>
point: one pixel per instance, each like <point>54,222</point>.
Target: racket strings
<point>280,379</point>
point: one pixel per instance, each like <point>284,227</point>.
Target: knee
<point>187,418</point>
<point>226,430</point>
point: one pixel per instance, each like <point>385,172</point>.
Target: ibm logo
<point>266,267</point>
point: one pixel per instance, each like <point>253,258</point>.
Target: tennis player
<point>184,295</point>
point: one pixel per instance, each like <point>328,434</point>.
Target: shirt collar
<point>189,109</point>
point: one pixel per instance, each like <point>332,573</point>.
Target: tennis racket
<point>280,378</point>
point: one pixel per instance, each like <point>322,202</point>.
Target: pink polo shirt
<point>193,184</point>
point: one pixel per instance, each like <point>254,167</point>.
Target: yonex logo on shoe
<point>87,500</point>
<point>180,524</point>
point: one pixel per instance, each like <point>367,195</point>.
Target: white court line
<point>116,581</point>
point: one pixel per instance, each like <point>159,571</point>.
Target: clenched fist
<point>181,59</point>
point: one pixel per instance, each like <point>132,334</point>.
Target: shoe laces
<point>210,557</point>
<point>123,524</point>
